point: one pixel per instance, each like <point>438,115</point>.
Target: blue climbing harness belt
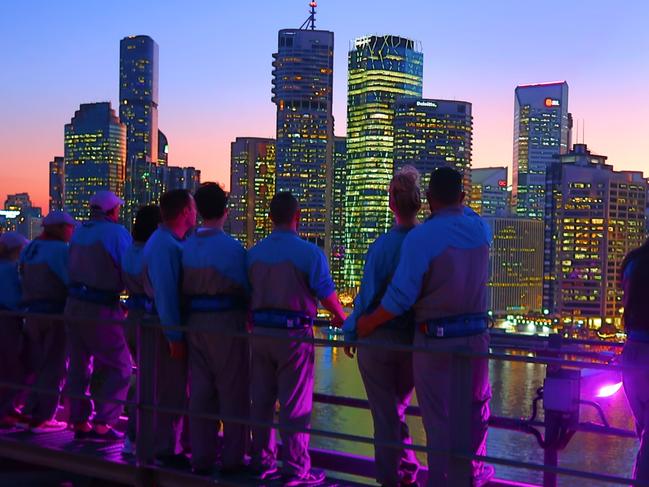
<point>456,326</point>
<point>282,319</point>
<point>220,302</point>
<point>92,295</point>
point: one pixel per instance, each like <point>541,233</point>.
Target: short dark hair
<point>173,203</point>
<point>211,201</point>
<point>283,208</point>
<point>147,220</point>
<point>445,185</point>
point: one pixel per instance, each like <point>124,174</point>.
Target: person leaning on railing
<point>288,276</point>
<point>635,282</point>
<point>96,251</point>
<point>442,277</point>
<point>387,374</point>
<point>44,273</point>
<point>12,340</point>
<point>216,289</point>
<point>162,283</point>
<point>146,222</point>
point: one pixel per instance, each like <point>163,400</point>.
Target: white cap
<point>105,200</point>
<point>58,218</point>
<point>12,240</point>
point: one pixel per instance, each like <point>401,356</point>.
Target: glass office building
<point>94,156</point>
<point>138,110</point>
<point>433,133</point>
<point>337,257</point>
<point>594,217</point>
<point>252,186</point>
<point>302,91</point>
<point>381,69</point>
<point>541,131</point>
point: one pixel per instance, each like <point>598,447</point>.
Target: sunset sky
<point>215,70</point>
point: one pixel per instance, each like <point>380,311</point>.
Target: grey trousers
<point>48,352</point>
<point>130,333</point>
<point>433,386</point>
<point>171,392</point>
<point>636,387</point>
<point>13,366</point>
<point>389,383</point>
<point>282,370</point>
<point>97,348</point>
<point>220,374</point>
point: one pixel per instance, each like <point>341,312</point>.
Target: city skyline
<point>605,74</point>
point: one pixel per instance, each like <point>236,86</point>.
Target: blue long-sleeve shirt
<point>380,264</point>
<point>10,290</point>
<point>44,268</point>
<point>288,273</point>
<point>133,268</point>
<point>162,277</point>
<point>443,269</point>
<point>214,263</point>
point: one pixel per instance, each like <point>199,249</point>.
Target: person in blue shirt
<point>95,274</point>
<point>162,284</point>
<point>146,222</point>
<point>442,277</point>
<point>635,283</point>
<point>12,341</point>
<point>216,289</point>
<point>288,277</point>
<point>387,374</point>
<point>44,273</point>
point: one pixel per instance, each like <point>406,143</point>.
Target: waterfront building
<point>337,256</point>
<point>490,195</point>
<point>252,186</point>
<point>20,215</point>
<point>541,131</point>
<point>94,156</point>
<point>57,183</point>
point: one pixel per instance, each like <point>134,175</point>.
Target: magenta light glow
<point>609,389</point>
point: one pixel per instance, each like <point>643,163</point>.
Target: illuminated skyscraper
<point>515,266</point>
<point>433,133</point>
<point>252,186</point>
<point>594,216</point>
<point>381,68</point>
<point>57,183</point>
<point>163,149</point>
<point>489,193</point>
<point>302,91</point>
<point>138,110</point>
<point>95,156</point>
<point>337,258</point>
<point>27,218</point>
<point>541,130</point>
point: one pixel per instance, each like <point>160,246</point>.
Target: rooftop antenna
<point>309,23</point>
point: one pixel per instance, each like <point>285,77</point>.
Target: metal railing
<point>460,454</point>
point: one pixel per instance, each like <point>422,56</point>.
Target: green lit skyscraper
<point>381,68</point>
<point>95,156</point>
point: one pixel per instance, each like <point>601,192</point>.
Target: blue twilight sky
<point>215,69</point>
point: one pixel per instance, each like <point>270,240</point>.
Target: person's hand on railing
<point>178,350</point>
<point>350,351</point>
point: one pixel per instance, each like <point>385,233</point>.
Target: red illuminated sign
<point>502,183</point>
<point>549,102</point>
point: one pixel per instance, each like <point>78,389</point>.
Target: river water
<point>514,386</point>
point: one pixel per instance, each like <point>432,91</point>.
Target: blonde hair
<point>405,195</point>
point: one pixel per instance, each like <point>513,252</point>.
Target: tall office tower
<point>541,130</point>
<point>381,68</point>
<point>25,218</point>
<point>95,156</point>
<point>303,93</point>
<point>594,216</point>
<point>252,186</point>
<point>489,193</point>
<point>138,110</point>
<point>57,183</point>
<point>175,177</point>
<point>159,172</point>
<point>433,133</point>
<point>163,149</point>
<point>515,266</point>
<point>336,260</point>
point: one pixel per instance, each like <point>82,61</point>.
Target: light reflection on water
<point>514,386</point>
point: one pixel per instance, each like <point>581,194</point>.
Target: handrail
<point>147,407</point>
